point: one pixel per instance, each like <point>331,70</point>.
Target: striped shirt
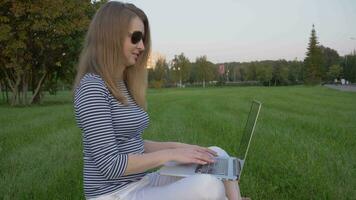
<point>111,131</point>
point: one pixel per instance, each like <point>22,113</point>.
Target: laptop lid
<point>248,131</point>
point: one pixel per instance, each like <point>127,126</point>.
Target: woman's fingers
<point>208,151</point>
<point>200,148</point>
<point>214,153</point>
<point>195,154</point>
<point>201,162</point>
<point>204,156</point>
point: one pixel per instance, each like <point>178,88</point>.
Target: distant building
<point>152,59</point>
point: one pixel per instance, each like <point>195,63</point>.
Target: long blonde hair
<point>102,50</point>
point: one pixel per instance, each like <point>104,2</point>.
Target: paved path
<point>349,88</point>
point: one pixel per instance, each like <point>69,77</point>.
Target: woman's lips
<point>136,55</point>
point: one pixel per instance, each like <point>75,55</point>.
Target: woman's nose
<point>141,46</point>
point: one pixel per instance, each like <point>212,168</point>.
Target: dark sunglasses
<point>136,37</point>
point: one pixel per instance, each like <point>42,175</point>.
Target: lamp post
<point>177,70</point>
<point>180,77</point>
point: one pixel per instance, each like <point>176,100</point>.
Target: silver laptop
<point>222,168</point>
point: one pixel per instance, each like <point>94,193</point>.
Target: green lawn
<point>304,145</point>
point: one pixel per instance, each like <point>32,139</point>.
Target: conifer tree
<point>313,61</point>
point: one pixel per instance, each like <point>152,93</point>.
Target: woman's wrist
<point>181,145</point>
<point>175,145</point>
<point>166,155</point>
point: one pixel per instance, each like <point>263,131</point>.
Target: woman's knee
<point>209,187</point>
<point>221,152</point>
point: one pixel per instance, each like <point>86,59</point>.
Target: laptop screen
<point>249,129</point>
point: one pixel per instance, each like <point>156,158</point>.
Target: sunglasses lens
<point>136,37</point>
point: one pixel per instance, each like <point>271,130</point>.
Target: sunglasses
<point>136,37</point>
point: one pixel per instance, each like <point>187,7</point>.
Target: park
<point>304,145</point>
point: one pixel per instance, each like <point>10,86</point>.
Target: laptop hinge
<point>237,167</point>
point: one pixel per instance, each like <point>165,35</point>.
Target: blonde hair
<point>102,50</point>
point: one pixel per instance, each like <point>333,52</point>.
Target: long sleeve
<point>93,113</point>
<point>110,131</point>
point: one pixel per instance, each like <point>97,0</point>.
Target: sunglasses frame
<point>136,37</point>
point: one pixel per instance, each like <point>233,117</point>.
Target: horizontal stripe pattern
<point>111,131</point>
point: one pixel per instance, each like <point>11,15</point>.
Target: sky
<point>248,30</point>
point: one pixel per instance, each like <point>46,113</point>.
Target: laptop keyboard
<point>218,167</point>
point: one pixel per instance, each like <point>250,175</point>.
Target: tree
<point>330,57</point>
<point>264,74</point>
<point>40,42</point>
<point>280,72</point>
<point>295,74</point>
<point>230,72</point>
<point>251,72</point>
<point>205,69</point>
<point>349,67</point>
<point>313,61</point>
<point>181,67</point>
<point>241,73</point>
<point>334,72</point>
<point>193,74</point>
<point>160,73</point>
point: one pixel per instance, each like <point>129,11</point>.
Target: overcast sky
<point>248,30</point>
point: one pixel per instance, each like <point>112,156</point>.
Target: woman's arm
<point>91,98</point>
<point>142,162</point>
<point>152,146</point>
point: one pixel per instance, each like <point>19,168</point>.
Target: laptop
<point>223,168</point>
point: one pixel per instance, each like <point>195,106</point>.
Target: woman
<point>110,105</point>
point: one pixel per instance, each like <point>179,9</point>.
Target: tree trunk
<point>24,89</point>
<point>2,92</point>
<point>14,88</point>
<point>7,93</point>
<point>15,97</point>
<point>36,97</point>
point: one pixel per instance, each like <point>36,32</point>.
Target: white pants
<point>159,187</point>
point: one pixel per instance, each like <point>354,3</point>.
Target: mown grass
<point>304,145</point>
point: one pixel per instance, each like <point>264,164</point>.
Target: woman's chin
<point>131,63</point>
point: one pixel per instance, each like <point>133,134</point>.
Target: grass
<point>304,145</point>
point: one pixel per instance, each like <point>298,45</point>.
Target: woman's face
<point>133,44</point>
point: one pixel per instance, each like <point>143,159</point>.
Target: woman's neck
<point>119,74</point>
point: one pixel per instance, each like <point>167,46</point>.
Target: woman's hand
<point>199,148</point>
<point>191,154</point>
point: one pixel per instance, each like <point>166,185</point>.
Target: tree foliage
<point>181,67</point>
<point>159,76</point>
<point>264,74</point>
<point>40,42</point>
<point>267,72</point>
<point>334,72</point>
<point>313,61</point>
<point>330,58</point>
<point>205,70</point>
<point>349,67</point>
